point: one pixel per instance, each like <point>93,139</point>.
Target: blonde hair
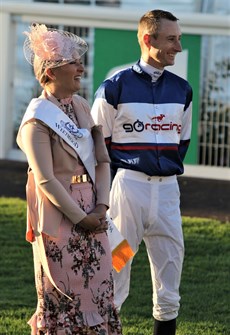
<point>40,71</point>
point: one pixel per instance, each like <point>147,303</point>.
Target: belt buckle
<point>80,179</point>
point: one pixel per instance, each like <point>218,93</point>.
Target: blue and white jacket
<point>146,125</point>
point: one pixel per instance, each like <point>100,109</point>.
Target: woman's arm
<point>37,146</point>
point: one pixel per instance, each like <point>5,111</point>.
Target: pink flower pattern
<point>89,282</point>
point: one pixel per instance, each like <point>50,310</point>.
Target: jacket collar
<point>137,68</point>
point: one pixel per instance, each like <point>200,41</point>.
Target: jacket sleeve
<point>103,111</point>
<point>37,146</point>
<point>102,173</point>
<point>101,152</point>
<point>102,181</point>
<point>186,127</point>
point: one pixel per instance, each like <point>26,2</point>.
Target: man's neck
<point>151,70</point>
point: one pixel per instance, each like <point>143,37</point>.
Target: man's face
<point>163,49</point>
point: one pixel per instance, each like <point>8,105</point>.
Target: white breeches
<point>148,208</point>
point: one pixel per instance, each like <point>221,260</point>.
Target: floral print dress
<point>80,266</point>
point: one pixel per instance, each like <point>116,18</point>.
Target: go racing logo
<point>156,125</point>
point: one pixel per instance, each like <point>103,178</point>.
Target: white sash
<point>79,139</point>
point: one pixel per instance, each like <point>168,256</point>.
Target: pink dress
<point>81,267</point>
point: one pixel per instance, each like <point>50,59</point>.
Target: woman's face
<point>67,78</point>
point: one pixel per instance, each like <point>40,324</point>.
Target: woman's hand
<point>94,222</point>
<point>101,210</point>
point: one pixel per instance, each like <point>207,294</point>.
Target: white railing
<point>117,18</point>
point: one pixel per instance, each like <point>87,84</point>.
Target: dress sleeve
<point>37,146</point>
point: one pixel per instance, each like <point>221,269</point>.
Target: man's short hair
<point>149,23</point>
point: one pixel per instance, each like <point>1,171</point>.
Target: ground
<point>199,197</point>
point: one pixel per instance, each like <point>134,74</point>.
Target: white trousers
<point>148,208</point>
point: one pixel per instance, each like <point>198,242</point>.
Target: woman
<point>67,194</point>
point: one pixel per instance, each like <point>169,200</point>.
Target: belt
<point>84,178</point>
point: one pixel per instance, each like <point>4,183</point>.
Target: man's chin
<point>171,63</point>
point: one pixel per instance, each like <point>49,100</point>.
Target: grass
<point>204,288</point>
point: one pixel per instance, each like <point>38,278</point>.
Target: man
<point>146,112</point>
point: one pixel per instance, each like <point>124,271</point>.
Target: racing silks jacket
<point>146,124</point>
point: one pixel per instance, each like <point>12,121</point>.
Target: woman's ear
<point>50,74</point>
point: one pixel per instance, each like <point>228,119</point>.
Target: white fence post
<point>5,82</point>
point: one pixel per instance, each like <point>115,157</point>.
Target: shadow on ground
<point>199,197</point>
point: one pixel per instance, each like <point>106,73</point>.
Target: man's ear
<point>146,39</point>
<point>50,74</point>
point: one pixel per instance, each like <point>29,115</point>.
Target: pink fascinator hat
<point>54,47</point>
